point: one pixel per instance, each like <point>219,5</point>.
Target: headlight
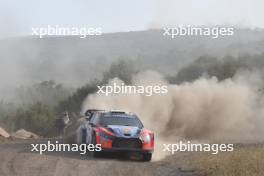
<point>145,138</point>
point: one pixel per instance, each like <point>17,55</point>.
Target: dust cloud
<point>206,109</point>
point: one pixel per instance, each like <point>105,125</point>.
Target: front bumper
<point>125,144</point>
<point>126,150</point>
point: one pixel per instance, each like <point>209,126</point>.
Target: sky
<point>18,17</point>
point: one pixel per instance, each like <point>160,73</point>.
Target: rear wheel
<point>146,156</point>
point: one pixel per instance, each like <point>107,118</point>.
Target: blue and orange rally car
<point>117,131</point>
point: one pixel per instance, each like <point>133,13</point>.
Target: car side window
<point>93,118</point>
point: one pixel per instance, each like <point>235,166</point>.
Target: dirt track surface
<point>16,159</point>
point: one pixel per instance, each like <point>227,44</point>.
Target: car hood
<point>124,131</point>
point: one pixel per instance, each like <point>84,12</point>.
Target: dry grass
<point>242,162</point>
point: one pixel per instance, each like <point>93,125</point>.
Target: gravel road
<point>16,159</point>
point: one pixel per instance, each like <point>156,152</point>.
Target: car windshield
<point>120,119</point>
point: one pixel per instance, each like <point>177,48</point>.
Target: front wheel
<point>94,153</point>
<point>146,156</point>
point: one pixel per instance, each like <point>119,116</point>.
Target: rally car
<point>116,131</point>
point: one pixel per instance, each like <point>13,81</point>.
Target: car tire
<point>94,153</point>
<point>146,157</point>
<point>83,137</point>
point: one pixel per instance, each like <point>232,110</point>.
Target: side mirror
<point>88,113</point>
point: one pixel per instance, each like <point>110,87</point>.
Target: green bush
<point>38,118</point>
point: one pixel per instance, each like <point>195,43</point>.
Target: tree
<point>122,69</point>
<point>74,102</point>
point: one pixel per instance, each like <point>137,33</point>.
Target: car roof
<point>118,113</point>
